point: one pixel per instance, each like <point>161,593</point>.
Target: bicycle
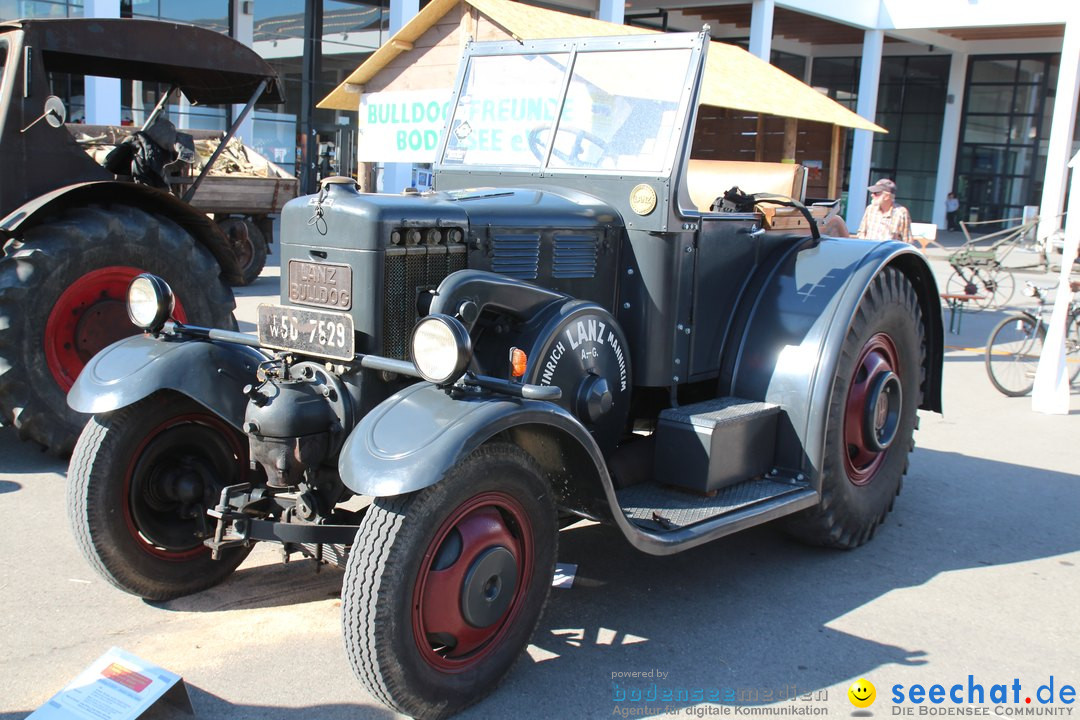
<point>977,266</point>
<point>1015,345</point>
<point>991,285</point>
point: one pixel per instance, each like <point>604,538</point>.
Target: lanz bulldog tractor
<point>555,333</point>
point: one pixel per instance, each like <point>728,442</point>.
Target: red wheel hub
<point>872,410</point>
<point>89,315</point>
<point>472,581</point>
<point>175,473</point>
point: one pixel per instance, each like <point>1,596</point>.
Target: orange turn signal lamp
<point>518,362</point>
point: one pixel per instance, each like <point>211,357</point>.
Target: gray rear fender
<point>211,373</point>
<point>413,438</point>
<point>789,338</point>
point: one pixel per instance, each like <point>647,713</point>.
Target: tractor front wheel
<point>445,586</point>
<point>140,483</point>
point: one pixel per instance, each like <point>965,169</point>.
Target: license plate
<point>321,284</point>
<point>311,332</point>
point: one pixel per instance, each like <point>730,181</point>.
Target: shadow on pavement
<point>264,586</point>
<point>757,606</point>
<point>25,458</point>
<point>208,705</point>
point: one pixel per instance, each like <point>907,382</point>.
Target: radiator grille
<point>516,255</point>
<point>575,256</point>
<point>407,273</point>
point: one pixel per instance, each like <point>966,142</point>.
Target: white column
<point>761,19</point>
<point>611,11</point>
<point>396,177</point>
<point>950,137</point>
<point>401,12</point>
<point>102,94</point>
<point>1061,129</point>
<point>873,42</point>
<point>244,31</point>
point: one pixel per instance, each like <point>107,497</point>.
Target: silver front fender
<point>414,437</point>
<point>211,373</point>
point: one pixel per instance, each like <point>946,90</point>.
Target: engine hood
<point>344,218</point>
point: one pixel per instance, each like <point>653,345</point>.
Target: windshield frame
<point>678,137</point>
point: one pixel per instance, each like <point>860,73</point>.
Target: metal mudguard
<point>789,337</point>
<point>50,204</point>
<point>412,438</point>
<point>213,374</point>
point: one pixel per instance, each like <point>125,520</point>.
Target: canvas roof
<point>733,77</point>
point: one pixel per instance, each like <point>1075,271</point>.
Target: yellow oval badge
<point>643,199</point>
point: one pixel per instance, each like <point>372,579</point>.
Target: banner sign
<point>402,126</point>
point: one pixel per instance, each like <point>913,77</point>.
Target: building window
<point>911,106</point>
<point>211,14</point>
<point>1004,134</point>
<point>12,9</point>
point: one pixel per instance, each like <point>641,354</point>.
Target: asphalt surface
<point>976,572</point>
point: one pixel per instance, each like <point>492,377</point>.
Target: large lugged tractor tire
<point>444,587</point>
<point>872,417</point>
<point>63,289</point>
<point>140,482</point>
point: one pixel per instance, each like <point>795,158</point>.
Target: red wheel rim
<point>872,410</point>
<point>89,315</point>
<point>159,502</point>
<point>473,581</point>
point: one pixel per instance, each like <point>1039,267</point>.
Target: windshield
<point>621,111</point>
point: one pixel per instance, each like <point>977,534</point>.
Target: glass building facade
<point>1008,104</point>
<point>912,93</point>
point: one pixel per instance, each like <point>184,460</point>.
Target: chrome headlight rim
<point>143,290</point>
<point>443,370</point>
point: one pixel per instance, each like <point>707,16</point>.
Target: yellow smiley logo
<point>862,693</point>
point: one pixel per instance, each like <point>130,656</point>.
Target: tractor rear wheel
<point>63,288</point>
<point>872,417</point>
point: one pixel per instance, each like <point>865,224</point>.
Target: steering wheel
<point>575,156</point>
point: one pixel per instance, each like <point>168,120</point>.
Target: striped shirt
<point>895,224</point>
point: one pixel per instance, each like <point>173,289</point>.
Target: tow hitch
<point>237,525</point>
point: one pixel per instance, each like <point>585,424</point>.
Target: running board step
<point>715,444</point>
<point>662,509</point>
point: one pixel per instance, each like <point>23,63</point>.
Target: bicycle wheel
<point>1072,347</point>
<point>998,285</point>
<point>961,284</point>
<point>1012,354</point>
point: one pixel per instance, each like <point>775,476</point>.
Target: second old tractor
<point>556,332</point>
<point>74,233</point>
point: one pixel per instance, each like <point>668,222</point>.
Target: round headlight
<point>150,302</point>
<point>441,348</point>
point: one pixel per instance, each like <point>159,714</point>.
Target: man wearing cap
<point>884,219</point>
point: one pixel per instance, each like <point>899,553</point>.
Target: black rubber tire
<point>1015,367</point>
<point>849,514</point>
<point>383,572</point>
<point>103,507</point>
<point>37,268</point>
<point>253,258</point>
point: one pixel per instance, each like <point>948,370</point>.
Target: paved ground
<point>976,572</point>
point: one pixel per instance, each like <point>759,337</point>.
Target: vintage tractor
<point>73,233</point>
<point>556,332</point>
